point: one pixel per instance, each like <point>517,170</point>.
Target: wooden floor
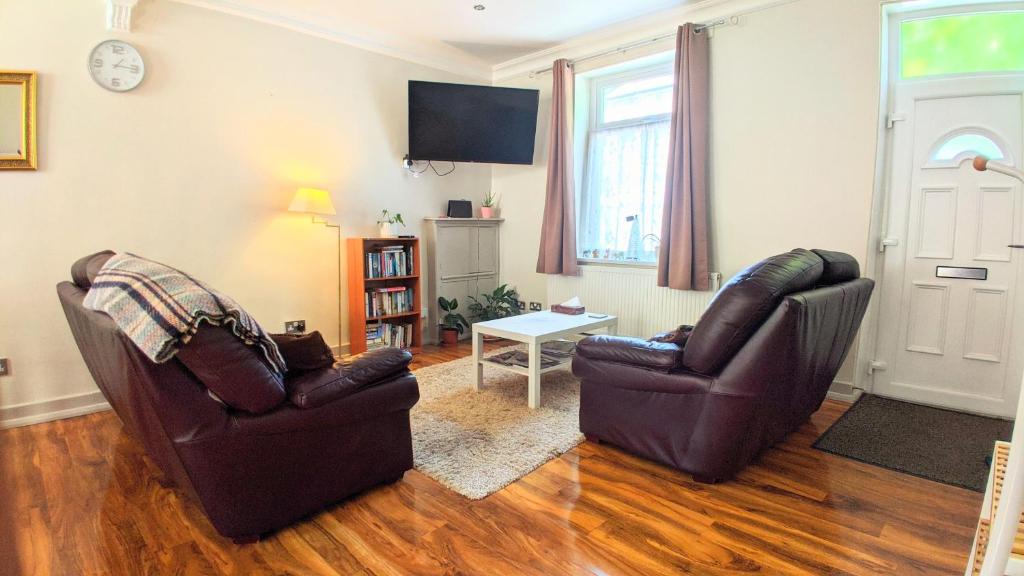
<point>79,497</point>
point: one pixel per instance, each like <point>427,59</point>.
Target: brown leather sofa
<point>755,367</point>
<point>342,429</point>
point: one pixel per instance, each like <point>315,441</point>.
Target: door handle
<point>884,243</point>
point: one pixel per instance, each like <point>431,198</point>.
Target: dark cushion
<point>233,371</point>
<point>839,267</point>
<point>316,388</point>
<point>679,336</point>
<point>661,356</point>
<point>84,271</point>
<point>743,304</point>
<point>303,352</point>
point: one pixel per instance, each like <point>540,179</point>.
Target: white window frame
<point>597,87</point>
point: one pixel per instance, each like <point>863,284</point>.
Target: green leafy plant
<point>501,303</point>
<point>388,218</point>
<point>452,320</point>
<point>490,199</point>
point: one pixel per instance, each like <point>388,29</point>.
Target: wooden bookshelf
<point>360,282</point>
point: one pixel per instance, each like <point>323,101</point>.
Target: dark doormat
<point>941,445</point>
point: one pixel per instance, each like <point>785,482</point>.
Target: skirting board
<point>55,409</point>
<point>89,402</point>
<point>844,392</point>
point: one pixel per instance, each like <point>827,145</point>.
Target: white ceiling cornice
<point>442,58</point>
<point>631,31</point>
<point>451,59</point>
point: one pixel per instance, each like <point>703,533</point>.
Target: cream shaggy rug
<point>476,443</point>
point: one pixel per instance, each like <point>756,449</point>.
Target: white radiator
<point>633,295</point>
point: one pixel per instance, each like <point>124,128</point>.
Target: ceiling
<point>446,31</point>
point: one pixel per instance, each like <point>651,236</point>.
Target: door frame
<point>892,14</point>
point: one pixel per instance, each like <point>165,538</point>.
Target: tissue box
<point>572,310</point>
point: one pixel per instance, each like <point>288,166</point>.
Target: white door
<point>950,319</point>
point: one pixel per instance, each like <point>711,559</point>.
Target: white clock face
<point>116,66</point>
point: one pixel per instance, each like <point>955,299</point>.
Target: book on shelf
<point>391,300</point>
<point>390,261</point>
<point>386,334</point>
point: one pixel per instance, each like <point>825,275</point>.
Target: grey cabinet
<point>463,261</point>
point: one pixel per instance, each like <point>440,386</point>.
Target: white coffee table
<point>534,329</point>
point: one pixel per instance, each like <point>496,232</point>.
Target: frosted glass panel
<point>972,144</point>
<point>962,43</point>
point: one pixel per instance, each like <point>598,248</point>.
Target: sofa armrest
<point>318,387</point>
<point>661,356</point>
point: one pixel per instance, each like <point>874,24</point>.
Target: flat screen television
<point>465,123</point>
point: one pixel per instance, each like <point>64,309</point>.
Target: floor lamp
<point>318,203</point>
<point>1005,524</point>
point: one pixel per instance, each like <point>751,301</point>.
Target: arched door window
<point>954,148</point>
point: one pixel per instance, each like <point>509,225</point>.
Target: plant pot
<point>488,212</point>
<point>449,337</point>
<point>385,230</point>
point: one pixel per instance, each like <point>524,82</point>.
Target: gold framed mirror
<point>17,120</point>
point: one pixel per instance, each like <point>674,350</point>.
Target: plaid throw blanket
<point>160,308</point>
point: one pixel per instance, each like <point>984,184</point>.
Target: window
<point>961,145</point>
<point>962,44</point>
<point>626,157</point>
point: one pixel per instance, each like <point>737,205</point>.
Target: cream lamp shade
<point>312,201</point>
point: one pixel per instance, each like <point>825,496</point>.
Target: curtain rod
<point>640,43</point>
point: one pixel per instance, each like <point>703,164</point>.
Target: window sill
<point>615,263</point>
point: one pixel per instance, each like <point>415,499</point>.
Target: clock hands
<point>133,68</point>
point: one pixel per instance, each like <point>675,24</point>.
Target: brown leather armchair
<point>343,428</point>
<point>755,367</point>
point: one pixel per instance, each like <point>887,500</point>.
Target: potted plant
<point>501,303</point>
<point>452,323</point>
<point>487,207</point>
<point>385,222</point>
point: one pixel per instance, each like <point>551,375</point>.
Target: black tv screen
<point>464,123</point>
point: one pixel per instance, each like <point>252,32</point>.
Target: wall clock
<point>116,65</point>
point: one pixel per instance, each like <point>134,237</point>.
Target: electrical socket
<point>295,327</point>
<point>521,304</point>
<point>535,307</point>
<point>5,367</point>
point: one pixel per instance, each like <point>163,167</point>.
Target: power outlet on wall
<point>535,307</point>
<point>5,367</point>
<point>295,327</point>
<point>521,304</point>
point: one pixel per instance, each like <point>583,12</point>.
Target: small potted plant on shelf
<point>501,303</point>
<point>488,209</point>
<point>385,222</point>
<point>452,323</point>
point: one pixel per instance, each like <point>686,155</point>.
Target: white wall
<point>196,167</point>
<point>794,117</point>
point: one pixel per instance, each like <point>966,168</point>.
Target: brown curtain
<point>558,232</point>
<point>683,257</point>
